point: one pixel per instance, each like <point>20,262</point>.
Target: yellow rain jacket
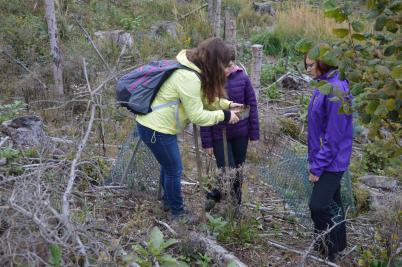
<point>183,85</point>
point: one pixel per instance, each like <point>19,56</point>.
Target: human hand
<point>313,178</point>
<point>233,117</point>
<point>236,106</point>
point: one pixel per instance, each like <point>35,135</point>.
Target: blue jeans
<point>166,151</point>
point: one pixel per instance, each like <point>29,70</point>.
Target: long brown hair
<point>211,56</point>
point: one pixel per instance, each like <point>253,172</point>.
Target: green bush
<point>378,158</point>
<point>272,45</point>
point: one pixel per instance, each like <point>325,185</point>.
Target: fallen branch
<point>277,245</point>
<point>221,256</point>
<point>170,229</point>
<point>73,174</point>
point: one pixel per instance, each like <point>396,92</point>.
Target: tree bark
<point>211,10</point>
<point>217,21</point>
<point>230,28</point>
<point>54,47</point>
<point>256,64</point>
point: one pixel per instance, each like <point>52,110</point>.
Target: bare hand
<point>233,118</point>
<point>313,178</point>
<point>236,106</point>
<point>209,151</point>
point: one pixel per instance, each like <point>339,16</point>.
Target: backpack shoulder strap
<point>181,66</point>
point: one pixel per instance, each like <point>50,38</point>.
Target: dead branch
<point>170,229</point>
<point>73,174</point>
<point>221,256</point>
<point>320,236</point>
<point>193,11</point>
<point>277,245</point>
<point>94,46</point>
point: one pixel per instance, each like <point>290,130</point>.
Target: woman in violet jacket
<point>330,137</point>
<point>239,90</point>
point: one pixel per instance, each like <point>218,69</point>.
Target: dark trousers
<point>237,150</point>
<point>326,210</point>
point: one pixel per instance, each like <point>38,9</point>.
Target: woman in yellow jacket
<point>200,102</point>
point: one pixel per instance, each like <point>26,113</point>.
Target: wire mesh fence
<point>137,168</point>
<point>287,171</point>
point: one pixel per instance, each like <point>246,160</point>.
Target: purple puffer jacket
<point>330,134</point>
<point>239,90</point>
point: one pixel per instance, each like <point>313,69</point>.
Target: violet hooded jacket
<point>330,134</point>
<point>239,90</point>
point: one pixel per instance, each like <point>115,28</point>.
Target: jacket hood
<point>182,59</point>
<point>235,69</point>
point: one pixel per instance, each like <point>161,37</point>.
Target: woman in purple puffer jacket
<point>330,136</point>
<point>239,90</point>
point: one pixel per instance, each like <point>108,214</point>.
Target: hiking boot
<point>186,217</point>
<point>332,257</point>
<point>215,195</point>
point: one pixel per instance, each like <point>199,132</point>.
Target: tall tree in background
<point>54,47</point>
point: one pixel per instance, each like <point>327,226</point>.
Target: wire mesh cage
<point>287,171</point>
<point>137,168</point>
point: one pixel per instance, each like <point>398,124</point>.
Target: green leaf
<point>156,238</point>
<point>313,83</point>
<point>55,255</point>
<point>314,53</point>
<point>390,50</point>
<point>357,26</point>
<point>358,36</point>
<point>329,4</point>
<point>354,76</point>
<point>340,32</point>
<point>326,89</point>
<point>396,72</point>
<point>340,17</point>
<point>391,26</point>
<point>167,259</point>
<point>390,104</point>
<point>329,58</point>
<point>371,107</point>
<point>380,23</point>
<point>335,13</point>
<point>335,99</point>
<point>303,46</point>
<point>381,111</point>
<point>370,4</point>
<point>169,243</point>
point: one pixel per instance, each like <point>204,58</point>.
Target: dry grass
<point>299,20</point>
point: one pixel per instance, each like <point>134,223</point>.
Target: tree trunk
<point>256,64</point>
<point>230,28</point>
<point>217,22</point>
<point>211,11</point>
<point>54,47</point>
